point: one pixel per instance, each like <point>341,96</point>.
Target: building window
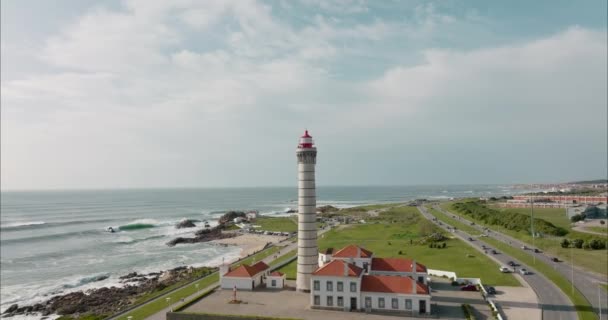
<point>340,286</point>
<point>340,302</point>
<point>381,303</point>
<point>329,286</point>
<point>421,279</point>
<point>408,304</point>
<point>317,300</point>
<point>317,285</point>
<point>368,302</point>
<point>273,283</point>
<point>353,287</point>
<point>395,303</point>
<point>330,301</point>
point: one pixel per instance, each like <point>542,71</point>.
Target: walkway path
<point>585,281</point>
<point>555,305</point>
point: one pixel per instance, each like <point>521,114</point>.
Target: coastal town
<point>505,257</point>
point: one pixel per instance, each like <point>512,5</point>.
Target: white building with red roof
<point>353,279</point>
<point>244,277</point>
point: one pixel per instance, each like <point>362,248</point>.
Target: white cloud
<point>133,101</point>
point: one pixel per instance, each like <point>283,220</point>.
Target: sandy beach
<point>250,243</point>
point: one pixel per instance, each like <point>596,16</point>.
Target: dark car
<point>491,290</point>
<point>469,287</point>
<point>494,252</point>
<point>536,250</point>
<point>512,264</point>
<point>555,259</point>
<point>470,239</point>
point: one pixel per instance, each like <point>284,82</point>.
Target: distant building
<point>353,279</point>
<point>244,277</point>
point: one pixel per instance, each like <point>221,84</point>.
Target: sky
<point>188,93</point>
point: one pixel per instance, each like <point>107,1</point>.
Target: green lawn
<point>290,270</point>
<point>157,305</point>
<point>605,286</point>
<point>557,216</point>
<point>583,307</point>
<point>603,230</point>
<point>277,224</point>
<point>594,260</point>
<point>387,239</point>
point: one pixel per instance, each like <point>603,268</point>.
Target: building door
<point>353,303</point>
<point>422,305</point>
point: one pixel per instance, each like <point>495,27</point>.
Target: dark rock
<point>11,308</point>
<point>327,209</point>
<point>230,215</point>
<point>129,275</point>
<point>185,224</point>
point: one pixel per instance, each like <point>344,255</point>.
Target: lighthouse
<point>307,212</point>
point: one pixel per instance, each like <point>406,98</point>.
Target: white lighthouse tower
<point>307,216</point>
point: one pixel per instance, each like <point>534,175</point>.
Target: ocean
<point>55,242</point>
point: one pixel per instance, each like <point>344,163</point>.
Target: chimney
<point>345,269</point>
<point>358,252</point>
<point>414,276</point>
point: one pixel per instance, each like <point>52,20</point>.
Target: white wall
<point>241,283</point>
<point>400,301</point>
<point>280,282</point>
<point>346,294</point>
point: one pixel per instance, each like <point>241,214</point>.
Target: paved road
<point>554,304</point>
<point>586,282</point>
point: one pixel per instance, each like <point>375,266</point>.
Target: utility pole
<point>532,228</point>
<point>599,300</point>
<point>571,272</point>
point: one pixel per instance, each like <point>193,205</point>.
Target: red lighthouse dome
<point>306,141</point>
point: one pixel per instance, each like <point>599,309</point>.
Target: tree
<point>597,244</point>
<point>565,243</point>
<point>602,222</point>
<point>586,245</point>
<point>443,245</point>
<point>578,243</point>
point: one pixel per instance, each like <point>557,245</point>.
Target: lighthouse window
<point>317,285</point>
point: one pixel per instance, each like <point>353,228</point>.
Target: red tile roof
<point>246,271</point>
<point>276,274</point>
<point>353,251</point>
<point>396,265</point>
<point>391,284</point>
<point>338,268</point>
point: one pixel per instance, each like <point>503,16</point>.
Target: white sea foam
<point>22,224</point>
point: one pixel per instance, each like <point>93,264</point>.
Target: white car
<point>524,271</point>
<point>505,269</point>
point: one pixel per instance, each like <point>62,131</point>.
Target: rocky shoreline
<point>105,301</point>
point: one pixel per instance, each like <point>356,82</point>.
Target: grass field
<point>284,257</point>
<point>282,224</point>
<point>603,230</point>
<point>557,216</point>
<point>582,305</point>
<point>594,260</point>
<point>290,270</point>
<point>157,305</point>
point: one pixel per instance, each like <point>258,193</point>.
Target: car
<point>512,264</point>
<point>536,250</point>
<point>555,259</point>
<point>470,239</point>
<point>505,269</point>
<point>524,271</point>
<point>494,252</point>
<point>469,287</point>
<point>524,247</point>
<point>491,290</point>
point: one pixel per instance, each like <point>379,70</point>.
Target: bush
<point>577,217</point>
<point>602,222</point>
<point>586,245</point>
<point>578,243</point>
<point>565,243</point>
<point>443,245</point>
<point>597,244</point>
<point>400,252</point>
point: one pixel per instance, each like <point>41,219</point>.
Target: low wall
<point>210,316</point>
<point>441,273</point>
